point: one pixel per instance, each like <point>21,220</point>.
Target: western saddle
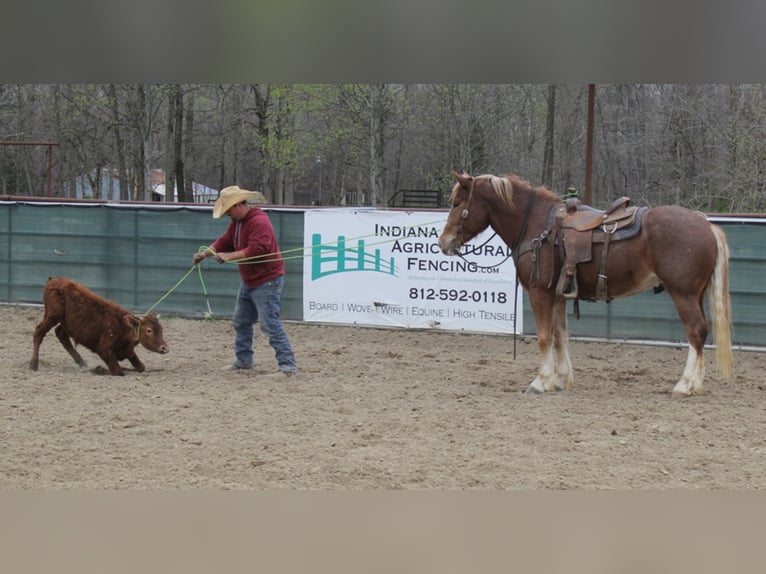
<point>580,227</point>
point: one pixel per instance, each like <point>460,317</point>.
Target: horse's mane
<point>504,186</point>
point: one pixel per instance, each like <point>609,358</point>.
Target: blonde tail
<point>720,304</point>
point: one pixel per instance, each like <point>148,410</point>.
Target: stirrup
<point>570,290</point>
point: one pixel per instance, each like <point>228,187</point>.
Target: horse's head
<point>468,214</point>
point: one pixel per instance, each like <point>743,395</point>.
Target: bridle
<point>527,214</point>
<point>464,215</point>
<point>465,212</point>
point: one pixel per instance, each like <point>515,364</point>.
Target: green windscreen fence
<point>136,255</point>
<point>133,255</point>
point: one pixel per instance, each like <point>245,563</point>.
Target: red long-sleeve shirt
<point>255,235</point>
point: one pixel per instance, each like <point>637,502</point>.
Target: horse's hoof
<point>684,390</point>
<point>532,391</point>
<point>682,394</point>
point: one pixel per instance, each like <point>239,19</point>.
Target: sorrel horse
<point>566,251</point>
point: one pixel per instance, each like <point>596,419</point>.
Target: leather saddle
<point>580,226</point>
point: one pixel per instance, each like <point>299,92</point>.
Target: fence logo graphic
<point>328,259</point>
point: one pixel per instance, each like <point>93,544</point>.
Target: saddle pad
<point>622,232</point>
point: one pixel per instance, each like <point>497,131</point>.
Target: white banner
<point>385,268</point>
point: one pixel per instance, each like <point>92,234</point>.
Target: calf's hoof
<point>104,371</point>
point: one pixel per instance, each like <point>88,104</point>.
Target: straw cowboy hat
<point>230,196</point>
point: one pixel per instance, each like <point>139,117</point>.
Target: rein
<point>461,256</point>
<point>463,217</point>
<point>514,248</point>
<point>524,225</point>
<point>527,214</point>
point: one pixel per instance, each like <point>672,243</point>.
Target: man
<point>250,240</point>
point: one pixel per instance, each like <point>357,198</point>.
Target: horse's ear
<point>463,179</point>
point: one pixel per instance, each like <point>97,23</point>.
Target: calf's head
<point>148,332</point>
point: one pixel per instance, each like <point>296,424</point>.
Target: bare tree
<point>379,106</point>
<point>178,140</point>
<point>547,178</point>
<point>170,172</point>
<point>188,145</point>
<point>702,146</point>
<point>141,117</point>
<point>114,104</point>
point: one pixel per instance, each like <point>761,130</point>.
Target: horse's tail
<point>720,304</point>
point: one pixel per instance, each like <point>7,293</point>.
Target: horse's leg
<point>564,377</point>
<point>542,303</point>
<point>692,315</point>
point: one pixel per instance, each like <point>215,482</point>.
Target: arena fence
<point>134,253</point>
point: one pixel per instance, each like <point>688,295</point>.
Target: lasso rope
<point>263,258</point>
<point>181,280</point>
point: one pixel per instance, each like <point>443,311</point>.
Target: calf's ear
<point>131,321</point>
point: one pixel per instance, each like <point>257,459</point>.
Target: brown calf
<point>100,325</point>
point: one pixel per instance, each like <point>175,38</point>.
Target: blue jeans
<point>261,304</point>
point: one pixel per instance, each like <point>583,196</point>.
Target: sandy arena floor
<point>372,409</point>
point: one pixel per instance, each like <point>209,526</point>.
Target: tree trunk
<point>189,149</point>
<point>178,155</point>
<point>144,124</point>
<point>170,172</point>
<point>547,176</point>
<point>400,148</point>
<point>262,100</point>
<point>377,141</point>
<point>119,144</point>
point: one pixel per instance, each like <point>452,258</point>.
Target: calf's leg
<point>111,361</point>
<point>40,331</point>
<point>63,336</point>
<point>136,362</point>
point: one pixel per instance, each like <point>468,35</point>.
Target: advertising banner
<point>385,268</point>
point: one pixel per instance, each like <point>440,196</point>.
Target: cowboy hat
<point>229,197</point>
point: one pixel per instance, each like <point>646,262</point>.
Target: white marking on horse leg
<point>545,380</point>
<point>564,377</point>
<point>691,380</point>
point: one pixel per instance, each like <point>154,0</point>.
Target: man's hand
<point>200,255</point>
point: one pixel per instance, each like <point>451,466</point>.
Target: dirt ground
<point>372,409</point>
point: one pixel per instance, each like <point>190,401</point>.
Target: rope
<point>181,280</point>
<point>204,292</point>
<point>261,259</point>
<point>173,288</point>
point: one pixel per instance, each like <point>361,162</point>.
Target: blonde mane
<point>503,187</point>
